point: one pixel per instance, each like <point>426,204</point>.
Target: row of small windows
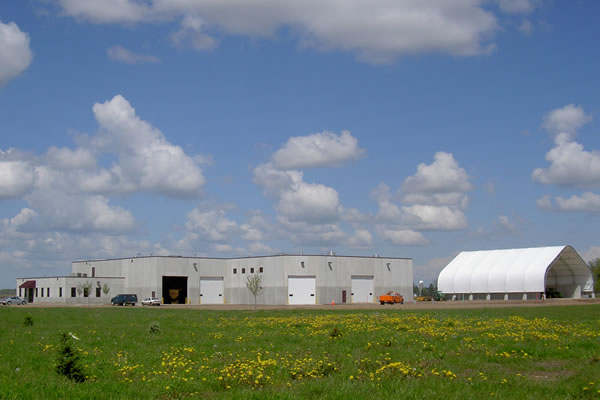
<point>260,269</point>
<point>39,292</point>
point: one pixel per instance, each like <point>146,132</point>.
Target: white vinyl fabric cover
<point>514,271</point>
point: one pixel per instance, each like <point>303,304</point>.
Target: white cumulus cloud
<point>297,200</point>
<point>588,202</point>
<point>121,54</point>
<point>433,199</point>
<point>376,34</point>
<point>566,120</point>
<point>192,33</point>
<point>361,238</point>
<point>402,237</point>
<point>274,181</point>
<point>506,225</point>
<point>260,248</point>
<point>311,234</point>
<point>444,175</point>
<point>65,158</point>
<point>16,178</point>
<point>15,54</point>
<point>570,164</point>
<point>108,11</point>
<point>60,211</point>
<point>325,149</point>
<point>310,202</point>
<point>518,6</point>
<point>436,218</point>
<point>147,161</point>
<point>210,225</point>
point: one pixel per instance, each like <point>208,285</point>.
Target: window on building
<point>260,269</point>
<point>42,290</point>
<point>98,291</point>
<point>235,270</point>
<point>19,292</point>
<point>252,270</point>
<point>48,292</point>
<point>243,270</point>
<point>36,292</point>
<point>86,292</point>
<point>59,292</point>
<point>73,292</point>
<point>93,272</point>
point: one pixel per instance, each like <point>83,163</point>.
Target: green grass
<point>524,353</point>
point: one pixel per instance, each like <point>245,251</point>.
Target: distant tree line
<point>595,267</point>
<point>430,290</point>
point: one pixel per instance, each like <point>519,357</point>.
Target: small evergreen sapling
<point>28,320</point>
<point>154,327</point>
<point>68,361</point>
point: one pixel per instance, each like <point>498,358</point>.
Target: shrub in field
<point>68,362</point>
<point>335,333</point>
<point>28,320</point>
<point>154,327</point>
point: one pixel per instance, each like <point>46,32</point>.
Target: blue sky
<point>408,129</point>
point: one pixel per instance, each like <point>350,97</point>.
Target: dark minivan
<point>124,299</point>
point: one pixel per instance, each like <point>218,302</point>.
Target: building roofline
<point>70,276</point>
<point>242,258</point>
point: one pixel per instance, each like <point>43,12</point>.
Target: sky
<point>405,128</point>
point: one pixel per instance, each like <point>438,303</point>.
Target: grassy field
<point>525,353</point>
<point>7,292</point>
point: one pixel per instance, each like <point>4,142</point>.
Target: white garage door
<point>302,290</point>
<point>211,290</point>
<point>362,289</point>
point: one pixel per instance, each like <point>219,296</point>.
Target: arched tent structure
<point>516,274</point>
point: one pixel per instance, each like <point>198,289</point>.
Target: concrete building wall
<point>60,289</point>
<point>333,275</point>
<point>144,277</point>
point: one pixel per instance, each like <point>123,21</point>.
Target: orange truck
<point>391,298</point>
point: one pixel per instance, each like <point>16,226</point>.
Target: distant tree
<point>254,285</point>
<point>85,289</point>
<point>431,290</point>
<point>105,289</point>
<point>595,267</point>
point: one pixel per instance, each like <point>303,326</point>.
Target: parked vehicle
<point>124,299</point>
<point>424,298</point>
<point>391,298</point>
<point>151,301</point>
<point>14,300</point>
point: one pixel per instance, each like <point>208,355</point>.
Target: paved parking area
<point>408,306</point>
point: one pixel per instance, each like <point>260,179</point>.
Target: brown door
<point>343,296</point>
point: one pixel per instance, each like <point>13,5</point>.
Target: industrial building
<point>516,274</point>
<point>286,279</point>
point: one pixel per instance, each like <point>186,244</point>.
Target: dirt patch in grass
<point>550,370</point>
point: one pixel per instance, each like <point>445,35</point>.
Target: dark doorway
<point>174,289</point>
<point>343,296</point>
<point>29,295</point>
